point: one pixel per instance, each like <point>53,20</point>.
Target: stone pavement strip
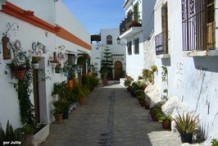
<point>110,117</point>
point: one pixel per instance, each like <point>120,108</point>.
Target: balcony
<point>161,45</point>
<point>130,25</point>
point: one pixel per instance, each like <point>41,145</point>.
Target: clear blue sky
<point>97,14</point>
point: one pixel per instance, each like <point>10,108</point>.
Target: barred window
<point>198,24</point>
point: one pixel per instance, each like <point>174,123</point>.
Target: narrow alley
<point>110,117</point>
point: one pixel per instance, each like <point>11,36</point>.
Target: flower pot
<point>65,115</point>
<point>58,118</point>
<point>186,137</point>
<point>57,70</point>
<point>70,84</point>
<point>166,124</point>
<point>154,117</point>
<point>74,105</point>
<point>142,102</point>
<point>81,100</point>
<point>105,82</point>
<point>147,105</point>
<point>19,74</point>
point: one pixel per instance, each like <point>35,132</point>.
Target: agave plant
<point>186,123</point>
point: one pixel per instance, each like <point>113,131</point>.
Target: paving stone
<point>110,117</point>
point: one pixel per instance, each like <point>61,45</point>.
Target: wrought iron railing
<point>198,25</point>
<point>128,22</point>
<point>161,44</point>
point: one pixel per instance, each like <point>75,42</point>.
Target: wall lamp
<point>120,42</point>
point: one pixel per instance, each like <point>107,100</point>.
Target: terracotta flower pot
<point>58,118</point>
<point>19,74</point>
<point>105,82</point>
<point>70,84</point>
<point>166,124</point>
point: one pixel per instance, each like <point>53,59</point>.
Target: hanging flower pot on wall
<point>19,74</point>
<point>35,62</point>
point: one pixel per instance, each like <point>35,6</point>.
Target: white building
<point>108,39</point>
<point>40,29</point>
<point>185,36</point>
<point>136,28</point>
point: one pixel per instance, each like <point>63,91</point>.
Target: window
<point>109,40</point>
<point>129,48</point>
<point>198,24</point>
<point>161,40</point>
<point>71,59</point>
<point>136,43</point>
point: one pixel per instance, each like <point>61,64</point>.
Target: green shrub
<point>186,123</point>
<point>214,142</point>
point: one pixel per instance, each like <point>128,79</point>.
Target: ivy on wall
<point>26,107</point>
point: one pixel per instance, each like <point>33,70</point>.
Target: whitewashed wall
<point>70,23</point>
<point>115,48</point>
<point>27,34</point>
<point>135,63</point>
<point>42,9</point>
<point>193,79</point>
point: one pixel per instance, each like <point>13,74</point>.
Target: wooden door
<point>118,68</point>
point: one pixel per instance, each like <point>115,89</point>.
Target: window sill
<point>201,53</point>
<point>163,56</point>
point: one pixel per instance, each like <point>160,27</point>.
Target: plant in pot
<point>186,124</point>
<point>19,65</point>
<point>141,97</point>
<point>35,62</point>
<point>156,112</point>
<point>128,81</point>
<point>165,120</point>
<point>62,103</point>
<point>61,106</point>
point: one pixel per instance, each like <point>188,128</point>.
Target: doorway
<point>118,70</point>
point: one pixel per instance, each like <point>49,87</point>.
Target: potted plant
<point>166,121</point>
<point>104,73</point>
<point>61,106</point>
<point>155,111</point>
<point>35,62</point>
<point>19,65</point>
<point>186,124</point>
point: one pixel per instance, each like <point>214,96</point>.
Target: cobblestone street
<point>110,117</point>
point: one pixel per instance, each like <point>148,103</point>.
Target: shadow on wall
<point>166,61</point>
<point>206,63</point>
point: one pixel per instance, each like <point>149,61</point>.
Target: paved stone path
<point>110,117</point>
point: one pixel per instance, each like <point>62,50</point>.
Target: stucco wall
<point>115,48</point>
<point>70,23</point>
<point>27,34</point>
<point>42,9</point>
<point>192,79</point>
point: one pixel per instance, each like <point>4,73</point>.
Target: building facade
<point>184,42</point>
<point>38,29</point>
<point>107,38</point>
<point>136,28</point>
